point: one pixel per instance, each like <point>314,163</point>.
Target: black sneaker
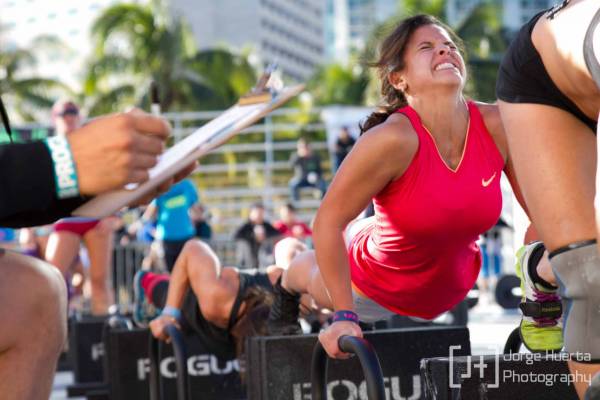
<point>283,317</point>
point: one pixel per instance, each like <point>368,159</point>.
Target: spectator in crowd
<point>174,225</point>
<point>33,305</point>
<point>140,230</point>
<point>289,225</point>
<point>343,145</point>
<point>254,237</point>
<point>144,232</point>
<point>307,170</point>
<point>200,218</point>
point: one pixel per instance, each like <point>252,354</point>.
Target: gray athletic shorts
<point>368,310</point>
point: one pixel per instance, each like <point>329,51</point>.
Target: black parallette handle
<point>368,360</point>
<point>513,343</point>
<point>179,349</point>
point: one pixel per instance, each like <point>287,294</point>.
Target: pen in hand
<point>155,99</point>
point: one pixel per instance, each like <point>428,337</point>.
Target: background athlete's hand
<point>116,150</point>
<point>158,324</point>
<point>330,336</point>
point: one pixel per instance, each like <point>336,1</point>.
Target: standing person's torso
<point>173,219</point>
<point>305,165</point>
<point>419,257</point>
<point>344,146</point>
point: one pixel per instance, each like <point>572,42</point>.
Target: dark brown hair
<point>391,58</point>
<point>252,322</point>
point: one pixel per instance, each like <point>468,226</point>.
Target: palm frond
<point>115,100</point>
<point>133,21</point>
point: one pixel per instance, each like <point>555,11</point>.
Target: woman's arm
<point>380,156</point>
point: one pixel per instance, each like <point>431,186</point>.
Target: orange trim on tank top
<point>359,292</point>
<point>464,150</point>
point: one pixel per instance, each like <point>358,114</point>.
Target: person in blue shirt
<point>174,225</point>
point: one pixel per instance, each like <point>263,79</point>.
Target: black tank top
<point>218,340</point>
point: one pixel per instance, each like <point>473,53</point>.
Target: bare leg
<point>544,270</point>
<point>285,251</point>
<point>99,244</point>
<point>42,243</point>
<point>62,249</point>
<point>33,308</point>
<point>555,162</point>
<point>597,198</point>
<point>154,260</point>
<point>303,277</point>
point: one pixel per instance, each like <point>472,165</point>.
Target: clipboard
<point>202,141</point>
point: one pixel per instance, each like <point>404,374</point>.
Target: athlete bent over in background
<point>221,305</point>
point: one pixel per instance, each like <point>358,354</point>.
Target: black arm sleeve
<point>27,187</point>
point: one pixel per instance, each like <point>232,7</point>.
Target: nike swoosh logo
<point>485,183</point>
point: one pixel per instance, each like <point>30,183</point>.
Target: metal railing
<point>127,260</point>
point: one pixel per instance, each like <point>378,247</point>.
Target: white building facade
<point>515,13</point>
<point>288,32</point>
<point>21,21</point>
<point>348,24</point>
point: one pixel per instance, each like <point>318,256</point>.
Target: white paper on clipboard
<point>183,153</point>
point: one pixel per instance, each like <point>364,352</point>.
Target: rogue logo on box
<point>97,351</point>
<point>392,389</point>
<point>200,365</point>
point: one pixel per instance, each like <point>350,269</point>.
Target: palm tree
<point>226,77</point>
<point>338,84</point>
<point>437,8</point>
<point>137,44</point>
<point>481,31</point>
<point>25,93</point>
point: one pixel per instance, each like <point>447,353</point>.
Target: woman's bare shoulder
<point>396,132</point>
<point>493,122</point>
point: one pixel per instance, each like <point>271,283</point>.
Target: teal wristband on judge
<point>65,174</point>
<point>172,312</point>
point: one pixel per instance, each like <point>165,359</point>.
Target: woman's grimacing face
<point>431,59</point>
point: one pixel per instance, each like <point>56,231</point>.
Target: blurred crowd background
<point>268,181</point>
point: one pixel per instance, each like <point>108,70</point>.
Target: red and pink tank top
<point>419,257</point>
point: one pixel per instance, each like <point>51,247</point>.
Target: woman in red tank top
<point>431,161</point>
